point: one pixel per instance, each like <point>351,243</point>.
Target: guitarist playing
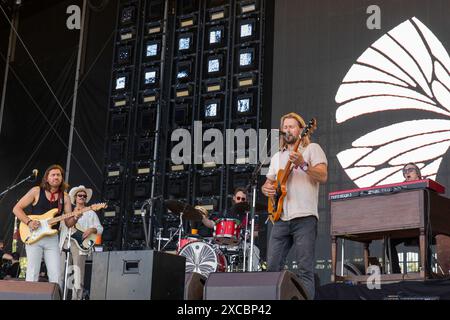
<point>49,195</point>
<point>90,224</point>
<point>297,226</point>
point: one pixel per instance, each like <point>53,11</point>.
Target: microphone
<point>34,174</point>
<point>147,202</point>
<point>286,134</point>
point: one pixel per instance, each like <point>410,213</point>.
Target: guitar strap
<point>61,202</point>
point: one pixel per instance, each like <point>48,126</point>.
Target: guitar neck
<point>67,215</point>
<point>288,167</point>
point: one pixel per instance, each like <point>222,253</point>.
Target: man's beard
<point>56,184</point>
<point>290,139</point>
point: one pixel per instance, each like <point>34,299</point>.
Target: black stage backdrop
<point>316,43</point>
<point>27,140</point>
<point>92,109</point>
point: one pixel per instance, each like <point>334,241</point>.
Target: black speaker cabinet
<point>137,275</point>
<point>282,285</point>
<point>194,286</point>
<point>22,290</point>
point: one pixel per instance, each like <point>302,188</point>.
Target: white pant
<point>77,264</point>
<point>49,247</point>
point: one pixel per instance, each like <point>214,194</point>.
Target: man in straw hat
<point>89,224</point>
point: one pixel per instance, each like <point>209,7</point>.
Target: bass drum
<point>203,258</point>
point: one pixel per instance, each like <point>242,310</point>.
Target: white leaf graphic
<point>407,68</point>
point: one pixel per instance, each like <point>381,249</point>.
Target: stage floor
<point>404,290</point>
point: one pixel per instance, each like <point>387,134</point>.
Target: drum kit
<point>226,251</point>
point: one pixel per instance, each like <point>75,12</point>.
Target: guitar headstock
<point>99,206</point>
<point>310,127</point>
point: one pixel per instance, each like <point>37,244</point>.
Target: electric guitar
<point>84,245</point>
<point>47,220</point>
<point>275,203</point>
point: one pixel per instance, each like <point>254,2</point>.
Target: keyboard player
<point>411,172</point>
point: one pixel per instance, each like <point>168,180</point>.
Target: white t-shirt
<point>88,220</point>
<point>302,191</point>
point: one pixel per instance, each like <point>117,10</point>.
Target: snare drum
<point>227,232</point>
<point>203,258</point>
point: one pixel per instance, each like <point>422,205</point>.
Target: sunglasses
<point>241,198</point>
<point>82,196</point>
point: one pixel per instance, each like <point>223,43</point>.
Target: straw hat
<point>73,192</point>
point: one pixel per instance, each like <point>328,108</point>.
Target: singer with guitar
<point>83,236</point>
<point>292,186</point>
<point>49,195</point>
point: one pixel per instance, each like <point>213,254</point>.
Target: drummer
<point>203,228</point>
<point>239,196</point>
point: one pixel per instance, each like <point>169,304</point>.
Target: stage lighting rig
<point>121,82</point>
<point>208,184</point>
<point>247,59</point>
<point>183,90</point>
<point>124,54</point>
<point>118,124</point>
<point>217,14</point>
<point>244,105</point>
<point>182,114</point>
<point>247,29</point>
<point>150,77</point>
<point>116,151</point>
<point>127,34</point>
<point>184,71</point>
<point>187,21</point>
<point>152,50</point>
<point>215,66</point>
<point>128,15</point>
<point>150,96</point>
<point>216,36</point>
<point>248,7</point>
<point>177,186</point>
<point>186,43</point>
<point>214,85</point>
<point>212,110</point>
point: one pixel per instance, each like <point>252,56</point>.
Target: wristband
<point>304,166</point>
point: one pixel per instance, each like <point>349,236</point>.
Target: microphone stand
<point>68,252</point>
<point>245,242</point>
<point>148,232</point>
<point>16,185</point>
<point>253,184</point>
<point>144,224</point>
<point>179,232</point>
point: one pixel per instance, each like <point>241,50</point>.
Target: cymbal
<point>188,211</point>
<point>242,207</point>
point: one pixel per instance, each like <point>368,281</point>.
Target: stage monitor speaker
<point>282,285</point>
<point>137,275</point>
<point>22,290</point>
<point>194,286</point>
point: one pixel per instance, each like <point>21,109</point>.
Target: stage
<point>404,290</point>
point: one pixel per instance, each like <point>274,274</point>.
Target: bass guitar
<point>84,245</point>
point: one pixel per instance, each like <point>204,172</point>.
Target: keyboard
<point>386,189</point>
